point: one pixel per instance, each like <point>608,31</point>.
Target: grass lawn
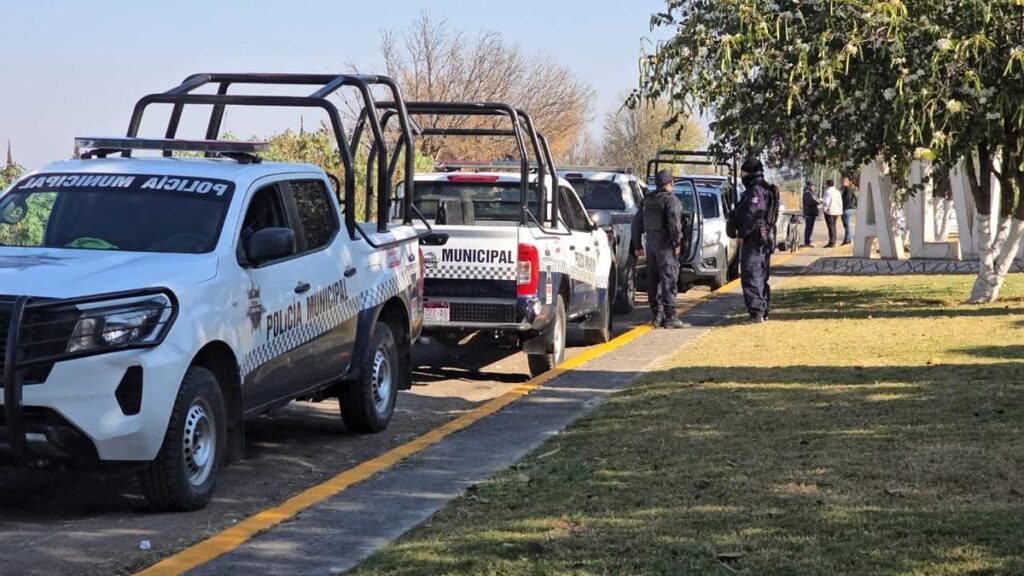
<point>874,426</point>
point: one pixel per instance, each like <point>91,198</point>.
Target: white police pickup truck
<point>504,258</point>
<point>150,305</point>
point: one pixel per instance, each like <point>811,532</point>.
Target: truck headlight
<point>121,323</point>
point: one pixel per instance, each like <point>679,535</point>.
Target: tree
<point>585,151</point>
<point>633,134</point>
<point>853,81</point>
<point>11,172</point>
<point>319,147</point>
<point>432,61</point>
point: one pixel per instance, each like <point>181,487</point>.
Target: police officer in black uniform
<point>660,219</point>
<point>758,237</point>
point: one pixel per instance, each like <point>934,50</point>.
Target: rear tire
<point>368,402</point>
<point>603,334</point>
<point>184,473</point>
<point>626,300</point>
<point>541,363</point>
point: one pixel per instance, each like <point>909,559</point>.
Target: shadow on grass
<point>819,302</point>
<point>1013,352</point>
<point>795,470</point>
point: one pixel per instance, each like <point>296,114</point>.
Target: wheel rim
<point>199,442</point>
<point>382,381</point>
<point>631,286</point>
<point>559,337</point>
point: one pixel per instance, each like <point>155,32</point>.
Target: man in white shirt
<point>832,206</point>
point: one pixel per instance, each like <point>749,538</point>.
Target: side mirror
<point>271,244</point>
<point>601,219</point>
<point>13,211</point>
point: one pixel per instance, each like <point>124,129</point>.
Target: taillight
<point>475,178</point>
<point>527,270</point>
<point>423,274</point>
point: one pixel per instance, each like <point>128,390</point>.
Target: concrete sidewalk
<point>336,534</point>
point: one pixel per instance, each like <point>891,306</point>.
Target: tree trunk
<point>997,258</point>
<point>980,179</point>
<point>1007,254</point>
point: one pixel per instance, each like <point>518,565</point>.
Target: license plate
<point>437,313</point>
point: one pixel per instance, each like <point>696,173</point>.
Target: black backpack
<point>772,200</point>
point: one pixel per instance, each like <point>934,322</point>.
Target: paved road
<point>62,522</point>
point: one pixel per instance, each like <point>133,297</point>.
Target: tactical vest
<point>654,212</point>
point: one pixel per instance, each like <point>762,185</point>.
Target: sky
<point>72,68</point>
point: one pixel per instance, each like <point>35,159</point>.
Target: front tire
<point>720,280</point>
<point>625,302</point>
<point>368,402</point>
<point>541,363</point>
<point>184,473</point>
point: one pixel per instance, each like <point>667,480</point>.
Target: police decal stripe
<point>330,319</point>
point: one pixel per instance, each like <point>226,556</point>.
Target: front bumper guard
<point>15,437</point>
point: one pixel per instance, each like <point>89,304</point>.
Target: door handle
<point>302,287</point>
<point>350,271</point>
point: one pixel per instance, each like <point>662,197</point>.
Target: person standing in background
<point>849,208</point>
<point>810,210</point>
<point>832,205</point>
<point>754,218</point>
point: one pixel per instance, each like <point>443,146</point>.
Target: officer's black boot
<point>672,322</point>
<point>658,319</point>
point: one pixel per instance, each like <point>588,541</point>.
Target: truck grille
<point>496,313</point>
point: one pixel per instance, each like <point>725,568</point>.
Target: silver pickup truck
<point>612,196</point>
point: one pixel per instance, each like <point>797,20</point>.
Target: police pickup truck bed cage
<point>690,158</point>
<point>521,128</point>
<point>327,85</point>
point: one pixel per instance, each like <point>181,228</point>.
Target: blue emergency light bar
<point>168,144</point>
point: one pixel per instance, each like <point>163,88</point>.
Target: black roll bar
<point>328,84</point>
<point>520,123</point>
<point>691,158</point>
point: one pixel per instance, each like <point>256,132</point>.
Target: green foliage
<point>30,230</point>
<point>9,174</point>
<point>318,147</point>
<point>849,81</point>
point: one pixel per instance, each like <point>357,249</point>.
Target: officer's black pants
<point>809,227</point>
<point>662,278</point>
<point>830,223</point>
<point>755,268</point>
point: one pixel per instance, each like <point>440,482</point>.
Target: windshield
<point>130,213</point>
<point>491,201</point>
<point>599,194</point>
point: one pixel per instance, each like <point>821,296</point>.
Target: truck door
<point>274,310</point>
<point>326,289</point>
<point>583,246</point>
<point>692,221</point>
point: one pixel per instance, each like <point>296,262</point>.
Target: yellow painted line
<point>233,537</point>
